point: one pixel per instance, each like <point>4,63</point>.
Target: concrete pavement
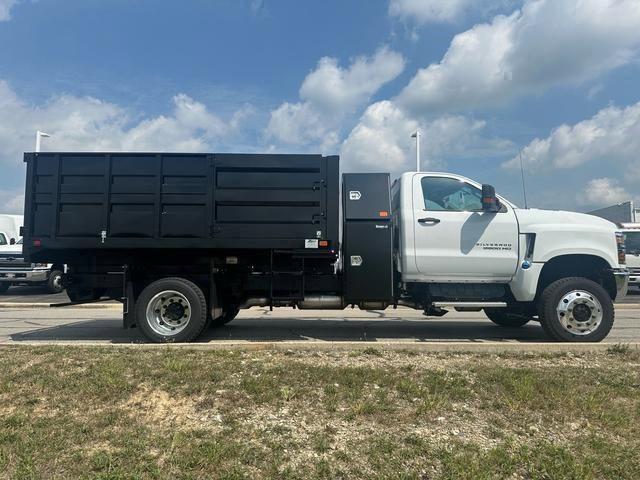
<point>282,326</point>
<point>21,322</point>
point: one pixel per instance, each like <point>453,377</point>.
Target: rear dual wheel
<point>171,310</point>
<point>228,314</point>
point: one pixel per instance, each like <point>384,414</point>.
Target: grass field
<point>156,413</point>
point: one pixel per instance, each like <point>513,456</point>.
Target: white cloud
<point>5,9</point>
<point>329,94</point>
<point>297,124</point>
<point>381,140</point>
<point>602,192</point>
<point>89,124</point>
<point>611,136</point>
<point>12,201</point>
<point>447,11</point>
<point>547,43</point>
<point>330,87</point>
<point>85,123</point>
<point>428,11</point>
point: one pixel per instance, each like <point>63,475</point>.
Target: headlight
<point>622,249</point>
<point>39,265</point>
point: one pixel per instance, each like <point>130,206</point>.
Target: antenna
<point>524,188</point>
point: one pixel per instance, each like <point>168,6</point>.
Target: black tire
<point>4,286</point>
<point>54,282</point>
<point>227,315</point>
<point>196,303</point>
<point>557,292</point>
<point>80,295</point>
<point>506,318</point>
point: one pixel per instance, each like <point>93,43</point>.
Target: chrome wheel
<point>579,312</point>
<point>57,282</point>
<point>168,313</point>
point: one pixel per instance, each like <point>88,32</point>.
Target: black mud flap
<point>128,306</point>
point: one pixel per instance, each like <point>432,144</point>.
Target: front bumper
<point>634,277</point>
<point>24,276</point>
<point>621,276</point>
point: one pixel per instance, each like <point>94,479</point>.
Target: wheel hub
<point>579,312</point>
<point>582,313</point>
<point>168,313</point>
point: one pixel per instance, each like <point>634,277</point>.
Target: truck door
<point>454,239</point>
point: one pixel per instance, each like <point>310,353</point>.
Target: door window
<point>3,239</point>
<point>450,194</point>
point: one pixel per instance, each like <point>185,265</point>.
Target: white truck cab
<point>458,241</point>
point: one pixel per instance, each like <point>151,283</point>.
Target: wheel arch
<point>589,266</point>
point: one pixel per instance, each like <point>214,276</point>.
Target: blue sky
<point>481,78</point>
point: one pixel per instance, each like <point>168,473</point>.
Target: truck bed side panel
<point>152,200</point>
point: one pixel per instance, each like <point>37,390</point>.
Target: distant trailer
<point>621,213</point>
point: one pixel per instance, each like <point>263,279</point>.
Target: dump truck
<point>186,241</point>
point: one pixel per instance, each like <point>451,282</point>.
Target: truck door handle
<point>429,220</point>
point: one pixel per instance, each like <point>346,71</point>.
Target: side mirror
<point>12,241</point>
<point>490,202</point>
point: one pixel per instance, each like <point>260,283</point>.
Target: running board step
<point>470,304</point>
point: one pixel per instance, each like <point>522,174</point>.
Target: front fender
<point>595,243</point>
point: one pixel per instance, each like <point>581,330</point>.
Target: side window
<point>450,194</point>
<point>3,239</point>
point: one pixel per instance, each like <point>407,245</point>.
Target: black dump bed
<point>102,201</point>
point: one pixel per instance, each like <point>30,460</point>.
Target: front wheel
<point>171,310</point>
<point>576,309</point>
<point>506,318</point>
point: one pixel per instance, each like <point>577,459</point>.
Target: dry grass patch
<point>136,413</point>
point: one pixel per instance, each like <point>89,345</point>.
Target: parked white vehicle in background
<point>9,230</point>
<point>13,268</point>
<point>632,236</point>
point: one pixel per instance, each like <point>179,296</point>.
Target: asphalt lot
<point>32,295</point>
<point>103,325</point>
